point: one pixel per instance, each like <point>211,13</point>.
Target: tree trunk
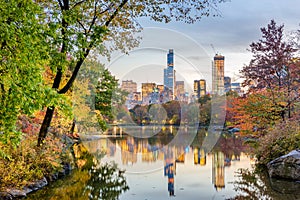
<point>45,125</point>
<point>73,128</point>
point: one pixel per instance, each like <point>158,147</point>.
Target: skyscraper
<point>196,89</point>
<point>218,75</point>
<point>147,89</point>
<point>199,88</point>
<point>202,87</point>
<point>179,89</point>
<point>169,73</point>
<point>227,84</point>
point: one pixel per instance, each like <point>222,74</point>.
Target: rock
<point>5,196</point>
<point>287,166</point>
<point>285,186</point>
<point>18,194</point>
<point>15,193</point>
<point>37,185</point>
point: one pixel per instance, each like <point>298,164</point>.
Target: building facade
<point>218,75</point>
<point>129,86</point>
<point>179,90</point>
<point>227,84</point>
<point>147,91</point>
<point>202,87</point>
<point>169,72</point>
<point>199,88</point>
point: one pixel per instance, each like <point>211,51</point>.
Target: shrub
<point>26,163</point>
<point>281,139</point>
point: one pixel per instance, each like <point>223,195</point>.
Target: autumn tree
<point>78,27</point>
<point>23,55</point>
<point>273,68</point>
<point>253,114</point>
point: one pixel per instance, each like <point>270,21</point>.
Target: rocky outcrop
<point>17,194</point>
<point>287,166</point>
<point>13,193</point>
<point>284,186</point>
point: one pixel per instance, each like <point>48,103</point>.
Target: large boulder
<point>287,166</point>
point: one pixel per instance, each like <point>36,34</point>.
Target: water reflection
<point>90,181</point>
<point>156,167</point>
<point>253,184</point>
<point>149,155</point>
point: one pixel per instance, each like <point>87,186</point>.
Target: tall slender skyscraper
<point>169,73</point>
<point>218,75</point>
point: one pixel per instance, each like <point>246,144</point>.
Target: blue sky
<point>230,34</point>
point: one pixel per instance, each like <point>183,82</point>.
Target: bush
<point>26,163</point>
<point>280,140</point>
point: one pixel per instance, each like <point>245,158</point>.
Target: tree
<point>108,98</point>
<point>23,54</point>
<point>273,68</point>
<point>253,114</point>
<point>78,27</point>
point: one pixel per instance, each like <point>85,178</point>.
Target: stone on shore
<point>286,166</point>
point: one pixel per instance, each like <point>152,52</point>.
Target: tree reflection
<point>106,182</point>
<point>257,185</point>
<point>90,181</point>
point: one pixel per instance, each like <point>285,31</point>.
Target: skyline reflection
<point>146,155</point>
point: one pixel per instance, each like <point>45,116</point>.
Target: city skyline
<point>231,34</point>
<point>177,88</point>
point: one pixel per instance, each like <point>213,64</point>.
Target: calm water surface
<point>157,168</point>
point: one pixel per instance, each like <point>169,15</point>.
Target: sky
<point>230,35</point>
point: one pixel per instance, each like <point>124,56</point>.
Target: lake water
<point>165,167</point>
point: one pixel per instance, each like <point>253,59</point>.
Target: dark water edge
<point>96,178</point>
<point>249,185</point>
<point>257,184</point>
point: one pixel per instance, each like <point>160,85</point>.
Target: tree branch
<point>116,12</point>
<point>91,45</point>
<point>94,18</point>
<point>82,26</point>
<point>60,4</point>
<point>77,4</point>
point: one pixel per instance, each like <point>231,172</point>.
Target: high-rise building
<point>169,73</point>
<point>129,86</point>
<point>179,88</point>
<point>196,88</point>
<point>218,75</point>
<point>199,88</point>
<point>147,89</point>
<point>227,84</point>
<point>202,87</point>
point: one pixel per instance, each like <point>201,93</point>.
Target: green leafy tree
<point>78,27</point>
<point>108,98</point>
<point>83,96</point>
<point>23,54</point>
